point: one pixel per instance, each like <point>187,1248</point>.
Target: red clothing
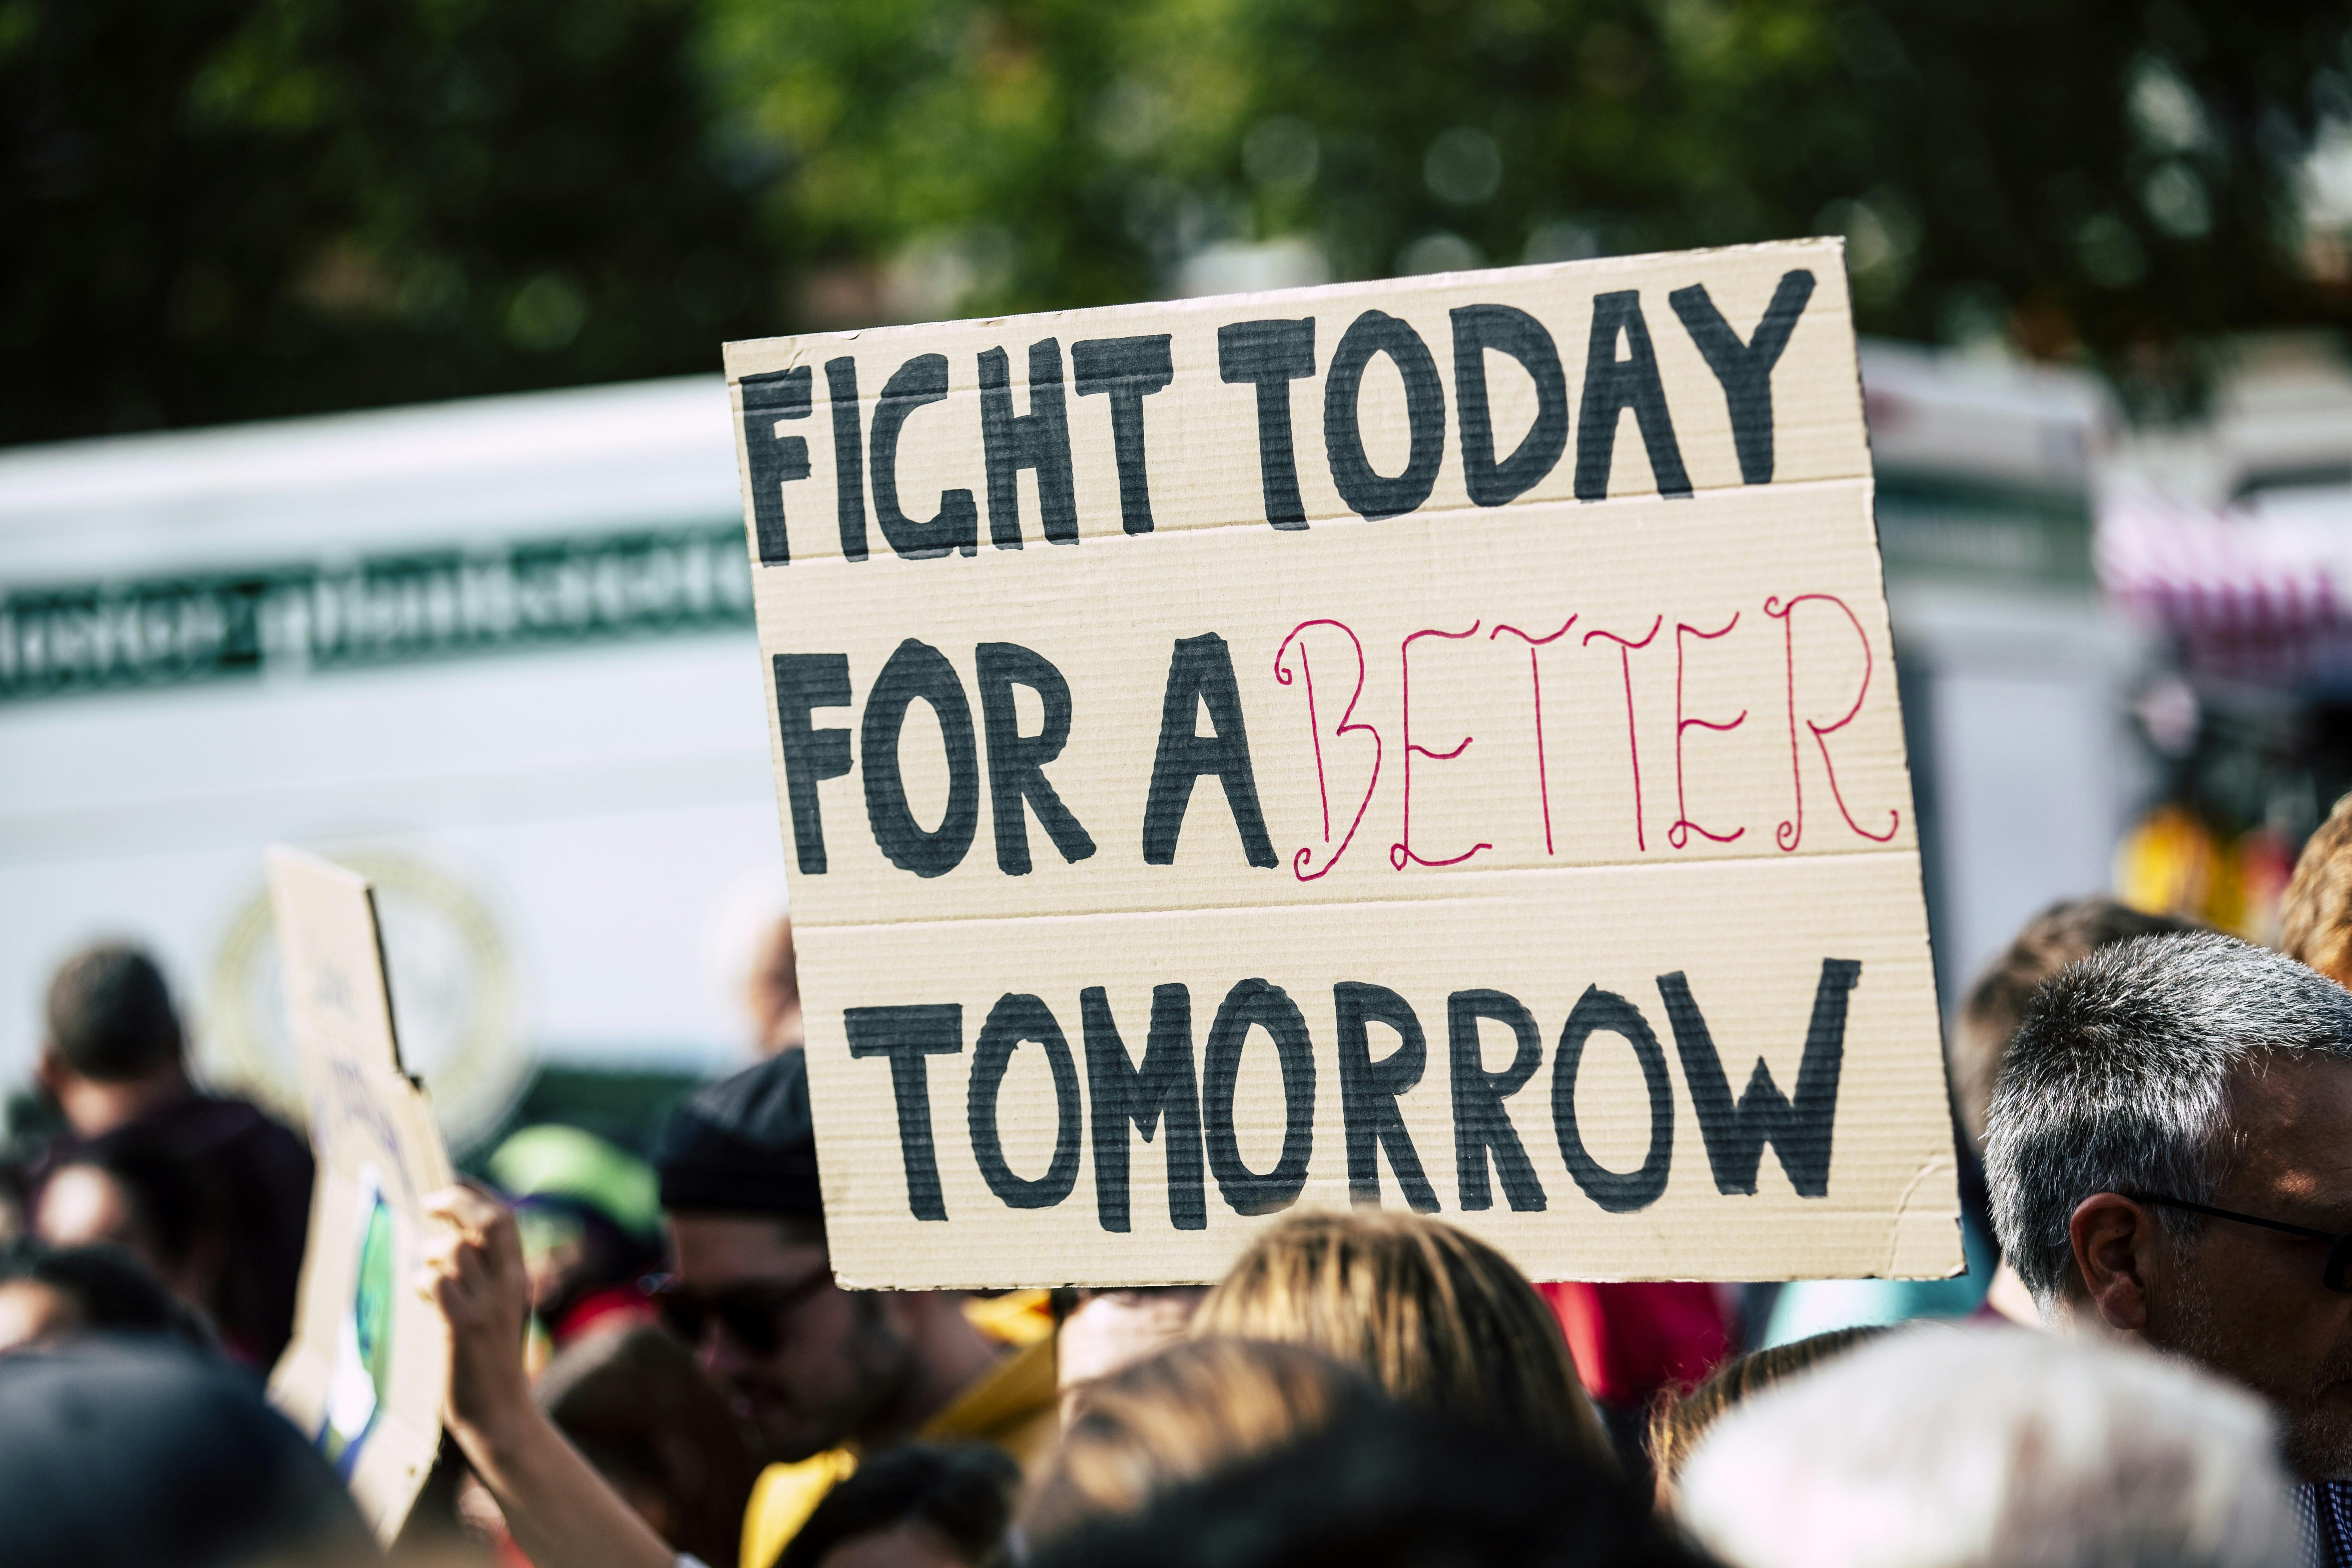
<point>610,1307</point>
<point>1632,1340</point>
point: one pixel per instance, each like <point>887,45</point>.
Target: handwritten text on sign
<point>1534,700</point>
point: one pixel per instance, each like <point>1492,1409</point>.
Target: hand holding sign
<point>1430,741</point>
<point>472,1269</point>
<point>559,1508</point>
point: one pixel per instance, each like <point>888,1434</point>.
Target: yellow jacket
<point>1015,1408</point>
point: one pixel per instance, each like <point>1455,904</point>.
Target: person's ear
<point>2113,1240</point>
<point>49,1071</point>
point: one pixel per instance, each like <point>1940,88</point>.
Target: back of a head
<point>2118,1081</point>
<point>105,1290</point>
<point>173,1206</point>
<point>2315,915</point>
<point>123,1455</point>
<point>1678,1424</point>
<point>960,1497</point>
<point>1387,1487</point>
<point>1945,1447</point>
<point>2068,931</point>
<point>110,1016</point>
<point>633,1402</point>
<point>1434,1315</point>
<point>1171,1418</point>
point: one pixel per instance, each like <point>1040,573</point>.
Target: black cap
<point>745,1145</point>
<point>127,1454</point>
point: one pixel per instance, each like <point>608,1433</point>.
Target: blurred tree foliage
<point>225,208</point>
<point>221,209</point>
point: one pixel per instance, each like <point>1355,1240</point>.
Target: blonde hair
<point>1435,1317</point>
<point>2315,915</point>
<point>1677,1422</point>
<point>1178,1417</point>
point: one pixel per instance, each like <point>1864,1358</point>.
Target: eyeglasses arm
<point>2161,1201</point>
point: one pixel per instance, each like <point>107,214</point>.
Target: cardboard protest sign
<point>370,1361</point>
<point>1431,742</point>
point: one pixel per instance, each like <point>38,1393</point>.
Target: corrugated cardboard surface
<point>371,1131</point>
<point>1719,790</point>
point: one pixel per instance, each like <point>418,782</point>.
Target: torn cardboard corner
<point>1431,742</point>
<point>369,1365</point>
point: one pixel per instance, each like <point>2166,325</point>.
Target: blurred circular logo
<point>453,1001</point>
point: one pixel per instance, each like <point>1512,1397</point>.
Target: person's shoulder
<point>1014,1406</point>
<point>226,1126</point>
<point>783,1498</point>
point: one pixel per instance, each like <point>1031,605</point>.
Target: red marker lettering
<point>1306,856</point>
<point>1679,834</point>
<point>1633,736</point>
<point>1535,674</point>
<point>1401,854</point>
<point>1791,833</point>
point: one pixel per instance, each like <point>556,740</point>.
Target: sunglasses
<point>753,1315</point>
<point>2336,1273</point>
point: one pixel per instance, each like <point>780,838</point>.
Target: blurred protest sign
<point>370,1361</point>
<point>1432,741</point>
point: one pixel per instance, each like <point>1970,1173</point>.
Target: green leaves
<point>231,208</point>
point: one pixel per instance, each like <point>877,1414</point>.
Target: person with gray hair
<point>1953,1448</point>
<point>2169,1157</point>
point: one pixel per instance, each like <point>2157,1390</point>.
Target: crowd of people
<point>2148,1362</point>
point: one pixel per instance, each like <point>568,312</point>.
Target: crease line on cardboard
<point>1934,1163</point>
<point>804,921</point>
<point>828,546</point>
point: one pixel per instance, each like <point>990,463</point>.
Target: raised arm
<point>562,1513</point>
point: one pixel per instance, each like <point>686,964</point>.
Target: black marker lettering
<point>1612,386</point>
<point>848,456</point>
<point>921,381</point>
<point>804,682</point>
<point>1127,370</point>
<point>1038,440</point>
<point>1367,492</point>
<point>1510,330</point>
<point>1481,1124</point>
<point>1200,670</point>
<point>1271,355</point>
<point>906,1035</point>
<point>773,460</point>
<point>1798,1130</point>
<point>1255,1004</point>
<point>1619,1191</point>
<point>1016,762</point>
<point>1159,1095</point>
<point>1013,1019</point>
<point>1746,369</point>
<point>919,672</point>
<point>1369,1091</point>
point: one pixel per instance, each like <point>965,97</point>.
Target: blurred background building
<point>492,642</point>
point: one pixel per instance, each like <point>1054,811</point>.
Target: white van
<point>498,653</point>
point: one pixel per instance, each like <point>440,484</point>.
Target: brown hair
<point>1435,1317</point>
<point>2069,930</point>
<point>1180,1415</point>
<point>1678,1421</point>
<point>635,1406</point>
<point>109,1014</point>
<point>2315,917</point>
